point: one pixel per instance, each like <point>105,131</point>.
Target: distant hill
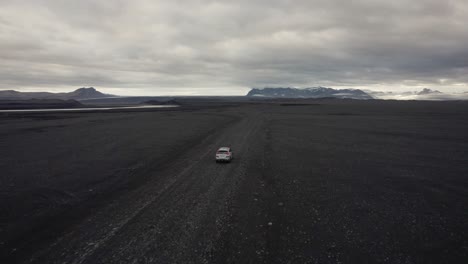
<point>313,92</point>
<point>78,94</point>
<point>87,93</point>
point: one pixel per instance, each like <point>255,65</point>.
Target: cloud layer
<point>226,47</point>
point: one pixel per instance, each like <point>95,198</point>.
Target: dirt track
<point>329,182</point>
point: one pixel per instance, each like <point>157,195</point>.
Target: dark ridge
<point>39,104</point>
<point>79,94</point>
<point>163,102</point>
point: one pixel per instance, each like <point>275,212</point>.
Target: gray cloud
<point>206,47</point>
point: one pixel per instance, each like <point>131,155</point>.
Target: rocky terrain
<point>39,103</point>
<point>313,181</point>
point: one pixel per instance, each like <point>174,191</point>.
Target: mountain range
<point>424,94</point>
<point>426,91</point>
<point>312,92</point>
<point>78,94</point>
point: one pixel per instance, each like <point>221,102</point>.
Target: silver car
<point>224,154</point>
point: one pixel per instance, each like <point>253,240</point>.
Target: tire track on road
<point>87,242</point>
<point>186,221</point>
<point>97,229</point>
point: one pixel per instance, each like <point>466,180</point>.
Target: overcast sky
<point>225,47</point>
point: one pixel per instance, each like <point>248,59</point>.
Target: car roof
<point>224,148</point>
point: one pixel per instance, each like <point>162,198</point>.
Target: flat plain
<point>313,181</point>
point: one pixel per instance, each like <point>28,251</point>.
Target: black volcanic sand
<point>38,104</point>
<point>317,181</point>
